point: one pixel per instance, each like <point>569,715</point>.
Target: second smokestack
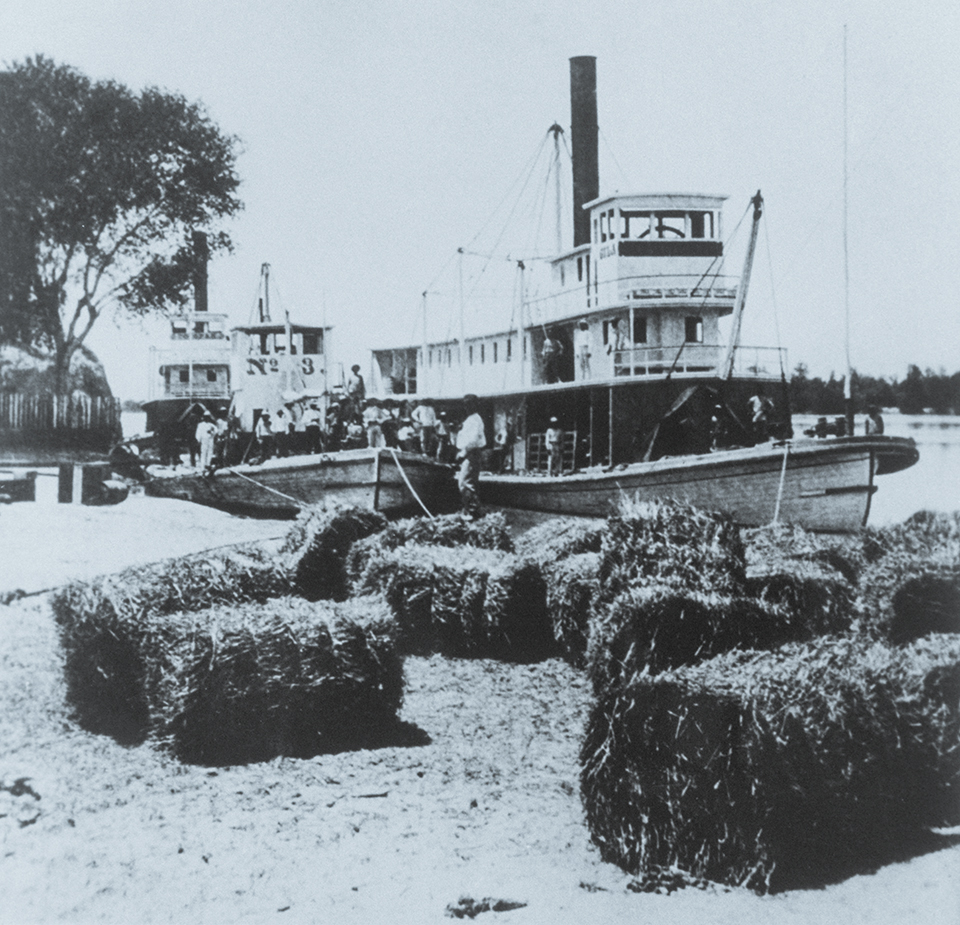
<point>584,134</point>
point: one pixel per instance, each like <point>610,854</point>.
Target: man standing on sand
<point>205,434</point>
<point>471,440</point>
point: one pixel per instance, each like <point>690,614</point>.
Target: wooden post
<point>610,431</point>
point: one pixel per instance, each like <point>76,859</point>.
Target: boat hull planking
<point>818,484</point>
<point>280,488</point>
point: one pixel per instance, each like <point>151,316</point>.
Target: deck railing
<point>748,362</point>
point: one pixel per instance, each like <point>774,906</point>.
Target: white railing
<point>748,362</point>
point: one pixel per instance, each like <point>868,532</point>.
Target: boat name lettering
<point>265,365</point>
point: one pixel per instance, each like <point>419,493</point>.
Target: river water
<point>933,484</point>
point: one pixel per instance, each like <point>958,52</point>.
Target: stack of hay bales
<point>98,625</point>
<point>672,582</point>
<point>316,547</point>
<point>779,769</point>
<point>488,532</point>
<point>912,588</point>
<point>459,600</point>
<point>239,679</point>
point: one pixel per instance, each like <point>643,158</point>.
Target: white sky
<point>379,136</point>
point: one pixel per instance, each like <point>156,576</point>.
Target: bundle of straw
<point>810,592</point>
<point>292,678</point>
<point>573,591</point>
<point>487,532</point>
<point>776,770</point>
<point>243,683</point>
<point>97,621</point>
<point>561,537</point>
<point>780,547</point>
<point>656,627</point>
<point>462,601</point>
<point>667,542</point>
<point>316,547</point>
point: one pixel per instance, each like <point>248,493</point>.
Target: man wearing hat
<point>373,416</point>
<point>205,434</point>
<point>471,440</point>
<point>265,437</point>
<point>311,427</point>
<point>356,391</point>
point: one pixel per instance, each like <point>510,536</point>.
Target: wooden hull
<point>822,485</point>
<point>377,479</point>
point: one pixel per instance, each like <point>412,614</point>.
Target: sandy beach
<point>484,804</point>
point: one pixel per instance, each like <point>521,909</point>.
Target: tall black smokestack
<point>583,139</point>
<point>201,252</point>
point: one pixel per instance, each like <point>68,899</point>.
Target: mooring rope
<point>783,476</point>
<point>403,474</point>
<point>296,501</point>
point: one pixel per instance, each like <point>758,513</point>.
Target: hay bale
<point>667,542</point>
<point>561,537</point>
<point>809,591</point>
<point>573,591</point>
<point>779,547</point>
<point>776,770</point>
<point>487,532</point>
<point>100,622</point>
<point>929,534</point>
<point>462,602</point>
<point>657,627</point>
<point>316,548</point>
<point>905,596</point>
<point>247,682</point>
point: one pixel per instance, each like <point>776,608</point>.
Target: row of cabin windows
<point>445,355</point>
<point>653,225</point>
<point>276,344</point>
<point>614,336</point>
<point>183,374</point>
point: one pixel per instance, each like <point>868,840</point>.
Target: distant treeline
<point>918,392</point>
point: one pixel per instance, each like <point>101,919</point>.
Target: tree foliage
<point>918,392</point>
<point>101,191</point>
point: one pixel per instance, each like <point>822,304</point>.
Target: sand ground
<point>485,804</point>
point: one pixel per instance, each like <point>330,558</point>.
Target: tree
<point>101,191</point>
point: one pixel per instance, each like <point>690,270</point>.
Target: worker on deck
<point>553,440</point>
<point>205,435</point>
<point>471,441</point>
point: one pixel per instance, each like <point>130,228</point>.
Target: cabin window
<point>200,328</point>
<point>563,280</point>
<point>612,224</point>
<point>693,333</point>
<point>311,342</point>
<point>671,225</point>
<point>509,349</point>
<point>482,352</point>
<point>211,375</point>
<point>525,339</point>
<point>639,329</point>
<point>470,354</point>
<point>595,236</point>
<point>603,226</point>
<point>184,375</point>
<point>494,351</point>
<point>701,225</point>
<point>449,358</point>
<point>579,269</point>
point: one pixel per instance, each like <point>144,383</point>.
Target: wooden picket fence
<point>66,422</point>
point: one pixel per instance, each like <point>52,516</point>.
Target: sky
<point>379,137</point>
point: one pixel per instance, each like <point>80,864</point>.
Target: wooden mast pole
<point>727,369</point>
<point>848,382</point>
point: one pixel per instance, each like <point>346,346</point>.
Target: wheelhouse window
<point>494,351</point>
<point>211,375</point>
<point>470,354</point>
<point>579,269</point>
<point>639,329</point>
<point>184,375</point>
<point>312,342</point>
<point>693,333</point>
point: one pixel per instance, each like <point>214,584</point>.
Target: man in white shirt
<point>205,433</point>
<point>425,420</point>
<point>471,440</point>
